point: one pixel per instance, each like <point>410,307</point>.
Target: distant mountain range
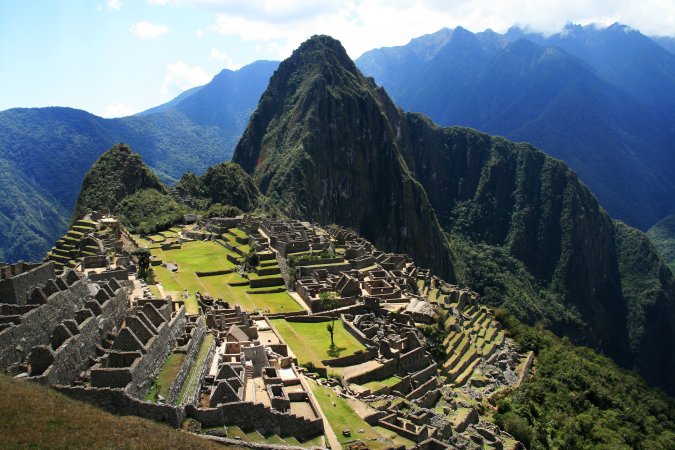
<point>45,152</point>
<point>602,100</point>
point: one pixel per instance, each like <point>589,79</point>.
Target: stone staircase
<point>74,244</point>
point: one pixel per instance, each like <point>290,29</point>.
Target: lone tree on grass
<point>328,302</point>
<point>144,270</point>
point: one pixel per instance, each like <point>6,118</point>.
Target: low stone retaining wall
<point>355,358</point>
<point>117,401</point>
<point>214,273</point>
<point>266,282</point>
<point>244,415</point>
<point>309,319</point>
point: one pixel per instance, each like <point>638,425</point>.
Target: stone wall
<point>117,401</point>
<point>94,261</point>
<point>191,352</point>
<point>266,282</point>
<point>117,274</point>
<point>256,416</point>
<point>350,360</point>
<point>194,396</point>
<point>75,353</point>
<point>37,326</point>
<point>18,281</point>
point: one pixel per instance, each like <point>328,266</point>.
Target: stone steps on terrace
<point>491,333</point>
<point>454,342</point>
<point>457,355</point>
<point>463,377</point>
<point>461,366</point>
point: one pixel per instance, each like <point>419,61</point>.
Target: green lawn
<point>217,287</point>
<point>238,232</point>
<point>154,290</point>
<point>166,377</point>
<point>342,417</point>
<point>311,341</point>
<point>375,385</point>
<point>197,256</point>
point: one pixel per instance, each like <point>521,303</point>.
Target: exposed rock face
<point>326,144</point>
<point>118,173</point>
<point>320,146</point>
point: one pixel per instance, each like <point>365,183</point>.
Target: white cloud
<point>224,57</point>
<point>148,30</point>
<point>180,77</point>
<point>117,110</point>
<point>113,5</point>
<point>158,2</point>
<point>280,26</point>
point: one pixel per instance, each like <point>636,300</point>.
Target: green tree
<point>144,269</point>
<point>329,302</point>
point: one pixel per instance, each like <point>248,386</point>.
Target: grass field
<point>166,376</point>
<point>207,256</point>
<point>311,341</point>
<point>34,416</point>
<point>388,382</point>
<point>342,417</point>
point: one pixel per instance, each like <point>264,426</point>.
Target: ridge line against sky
<point>119,57</point>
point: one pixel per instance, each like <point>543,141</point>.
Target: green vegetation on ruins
<point>166,376</point>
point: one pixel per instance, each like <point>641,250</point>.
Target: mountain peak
<point>118,173</point>
<point>322,50</point>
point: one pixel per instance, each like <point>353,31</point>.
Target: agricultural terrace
<point>209,256</point>
<point>310,342</point>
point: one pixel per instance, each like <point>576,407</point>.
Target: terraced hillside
<point>75,244</point>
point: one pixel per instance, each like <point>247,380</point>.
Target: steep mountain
<point>662,235</point>
<point>557,94</point>
<point>45,152</point>
<point>328,145</point>
<point>321,148</point>
<point>117,174</point>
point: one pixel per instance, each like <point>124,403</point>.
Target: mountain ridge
<point>538,89</point>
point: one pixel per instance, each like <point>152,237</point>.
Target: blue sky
<point>119,57</point>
